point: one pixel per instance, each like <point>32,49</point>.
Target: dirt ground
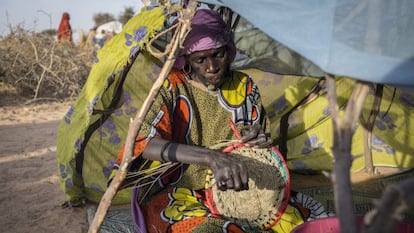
<point>30,196</point>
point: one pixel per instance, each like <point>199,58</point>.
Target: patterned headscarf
<point>208,31</point>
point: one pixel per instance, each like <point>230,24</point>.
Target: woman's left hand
<point>253,135</point>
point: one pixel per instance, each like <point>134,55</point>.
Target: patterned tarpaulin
<point>87,177</point>
<point>369,40</point>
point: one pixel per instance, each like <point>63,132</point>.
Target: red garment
<point>64,32</point>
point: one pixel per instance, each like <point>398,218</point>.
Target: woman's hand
<point>229,171</point>
<point>253,135</point>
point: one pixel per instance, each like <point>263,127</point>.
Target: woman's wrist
<point>209,157</point>
<point>164,151</point>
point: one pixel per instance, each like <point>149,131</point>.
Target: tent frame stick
<point>343,130</point>
<point>390,209</point>
<point>135,125</point>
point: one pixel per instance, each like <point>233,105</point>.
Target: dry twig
<point>135,125</point>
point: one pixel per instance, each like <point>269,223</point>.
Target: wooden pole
<point>135,125</point>
<point>343,128</point>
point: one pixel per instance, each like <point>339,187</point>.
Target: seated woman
<point>190,115</point>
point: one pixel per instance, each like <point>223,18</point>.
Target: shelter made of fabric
<point>93,130</point>
<point>95,127</point>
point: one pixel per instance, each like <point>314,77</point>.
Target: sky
<point>39,15</point>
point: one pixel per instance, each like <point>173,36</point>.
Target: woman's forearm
<point>164,150</point>
<point>227,168</point>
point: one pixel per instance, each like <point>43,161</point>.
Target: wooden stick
<point>343,128</point>
<point>390,209</point>
<point>135,125</point>
<point>45,69</point>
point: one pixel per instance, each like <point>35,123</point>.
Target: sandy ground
<point>30,196</point>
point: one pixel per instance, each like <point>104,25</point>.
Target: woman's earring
<point>187,69</point>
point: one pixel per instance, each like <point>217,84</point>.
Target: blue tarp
<point>370,40</point>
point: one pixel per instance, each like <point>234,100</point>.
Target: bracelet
<point>163,148</point>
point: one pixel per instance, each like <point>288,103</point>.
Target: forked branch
<point>343,128</point>
<point>134,127</point>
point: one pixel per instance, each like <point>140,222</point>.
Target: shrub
<point>40,67</point>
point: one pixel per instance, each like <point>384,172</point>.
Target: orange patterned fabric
<point>187,225</point>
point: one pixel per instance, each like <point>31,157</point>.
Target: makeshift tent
<point>309,132</point>
<point>93,130</point>
<point>366,40</point>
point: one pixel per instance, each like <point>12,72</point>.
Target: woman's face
<point>209,66</point>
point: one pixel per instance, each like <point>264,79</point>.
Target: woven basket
<point>262,205</point>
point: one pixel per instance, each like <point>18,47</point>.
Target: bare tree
<point>101,18</point>
<point>126,15</point>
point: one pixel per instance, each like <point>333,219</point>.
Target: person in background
<point>64,32</point>
<point>109,35</point>
<point>100,39</point>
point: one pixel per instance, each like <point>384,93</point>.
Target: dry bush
<point>41,68</point>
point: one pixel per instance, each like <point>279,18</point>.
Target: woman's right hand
<point>229,172</point>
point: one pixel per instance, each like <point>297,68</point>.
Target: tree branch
<point>343,128</point>
<point>390,209</point>
<point>135,125</point>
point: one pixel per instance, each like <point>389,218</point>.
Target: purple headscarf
<point>208,31</point>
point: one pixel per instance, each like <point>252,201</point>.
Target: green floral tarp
<point>97,94</point>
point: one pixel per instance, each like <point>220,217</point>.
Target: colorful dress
<point>183,113</point>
